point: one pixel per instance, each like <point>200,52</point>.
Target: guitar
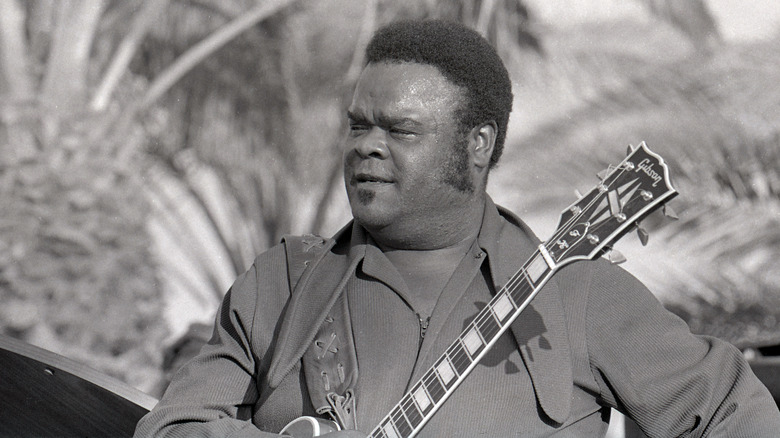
<point>626,194</point>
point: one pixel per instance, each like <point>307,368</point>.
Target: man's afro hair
<point>462,56</point>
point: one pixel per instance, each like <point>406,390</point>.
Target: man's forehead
<point>405,74</point>
<point>402,87</point>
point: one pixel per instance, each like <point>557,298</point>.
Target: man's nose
<point>373,144</point>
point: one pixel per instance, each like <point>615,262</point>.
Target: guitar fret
<point>488,326</point>
<point>413,414</point>
<point>503,307</point>
<point>422,398</point>
<point>388,429</point>
<point>400,422</point>
<point>472,341</point>
<point>526,277</point>
<point>536,268</point>
<point>434,386</point>
<point>520,292</point>
<point>512,300</point>
<point>446,372</point>
<point>458,357</point>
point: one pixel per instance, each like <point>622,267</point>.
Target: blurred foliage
<point>714,117</point>
<point>75,270</point>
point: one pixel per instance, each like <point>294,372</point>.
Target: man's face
<point>406,167</point>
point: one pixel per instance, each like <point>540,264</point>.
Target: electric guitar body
<point>308,427</point>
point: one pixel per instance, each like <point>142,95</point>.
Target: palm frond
<point>716,122</point>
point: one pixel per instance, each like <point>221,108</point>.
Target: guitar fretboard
<point>428,394</point>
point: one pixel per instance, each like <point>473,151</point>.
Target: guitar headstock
<point>627,193</point>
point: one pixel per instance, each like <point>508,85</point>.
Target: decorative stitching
<point>326,346</point>
<point>325,380</point>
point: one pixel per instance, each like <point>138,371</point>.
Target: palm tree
<point>75,230</point>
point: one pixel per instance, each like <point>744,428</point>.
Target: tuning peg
<point>615,257</point>
<point>668,212</point>
<point>630,149</point>
<point>603,174</point>
<point>577,194</point>
<point>643,235</point>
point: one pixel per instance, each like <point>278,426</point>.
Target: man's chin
<point>374,209</point>
<point>365,197</point>
<point>371,216</point>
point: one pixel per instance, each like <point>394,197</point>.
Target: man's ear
<point>482,140</point>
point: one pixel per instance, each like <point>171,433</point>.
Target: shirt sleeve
<point>672,383</point>
<point>213,394</point>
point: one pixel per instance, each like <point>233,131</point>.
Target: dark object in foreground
<point>45,394</point>
<point>767,369</point>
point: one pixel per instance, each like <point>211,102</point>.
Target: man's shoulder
<point>302,249</point>
<point>295,249</point>
<point>511,222</point>
<point>304,243</point>
<point>295,252</point>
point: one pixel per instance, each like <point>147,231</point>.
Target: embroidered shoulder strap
<point>330,362</point>
<point>301,250</point>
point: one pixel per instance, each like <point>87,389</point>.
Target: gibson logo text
<point>647,167</point>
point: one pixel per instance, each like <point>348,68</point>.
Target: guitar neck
<point>428,394</point>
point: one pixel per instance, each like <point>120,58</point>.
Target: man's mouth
<point>366,178</point>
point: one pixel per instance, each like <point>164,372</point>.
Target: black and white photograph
<point>390,218</point>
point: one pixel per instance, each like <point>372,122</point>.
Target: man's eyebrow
<point>384,120</point>
<point>355,117</point>
<point>396,121</point>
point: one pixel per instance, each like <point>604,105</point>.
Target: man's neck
<point>453,231</point>
<point>427,272</point>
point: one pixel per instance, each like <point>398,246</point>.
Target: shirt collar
<point>503,248</point>
<point>543,340</point>
<point>374,262</point>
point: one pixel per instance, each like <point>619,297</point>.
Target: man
<point>343,327</point>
